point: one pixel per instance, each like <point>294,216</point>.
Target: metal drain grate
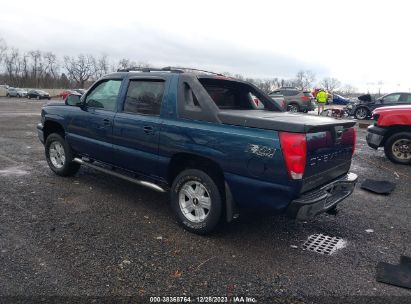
<point>323,244</point>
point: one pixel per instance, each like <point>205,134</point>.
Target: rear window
<point>308,94</point>
<point>233,95</point>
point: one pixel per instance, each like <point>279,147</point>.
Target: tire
<point>59,156</point>
<point>293,107</point>
<point>397,148</point>
<point>186,197</point>
<point>361,113</point>
<point>29,97</point>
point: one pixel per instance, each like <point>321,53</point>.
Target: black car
<point>38,94</point>
<point>363,108</point>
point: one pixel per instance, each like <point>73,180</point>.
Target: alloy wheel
<point>57,155</point>
<point>195,201</point>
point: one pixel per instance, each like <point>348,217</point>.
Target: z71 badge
<point>262,151</point>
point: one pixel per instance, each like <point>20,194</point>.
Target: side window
<point>104,95</point>
<point>144,97</point>
<point>405,98</point>
<point>393,98</point>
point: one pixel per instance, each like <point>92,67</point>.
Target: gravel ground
<point>95,235</point>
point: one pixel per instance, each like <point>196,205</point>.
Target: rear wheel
<point>397,148</point>
<point>196,201</point>
<point>59,156</point>
<point>361,113</point>
<point>293,107</point>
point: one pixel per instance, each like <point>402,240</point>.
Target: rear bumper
<point>375,136</point>
<point>325,198</point>
<point>40,132</point>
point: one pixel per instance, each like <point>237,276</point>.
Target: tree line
<point>38,69</point>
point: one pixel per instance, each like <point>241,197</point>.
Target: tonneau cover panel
<point>281,121</point>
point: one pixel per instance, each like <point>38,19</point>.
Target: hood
<point>406,108</point>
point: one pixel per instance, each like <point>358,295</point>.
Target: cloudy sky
<point>359,42</point>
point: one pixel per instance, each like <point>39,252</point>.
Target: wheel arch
<point>52,126</point>
<point>183,160</point>
<point>393,130</point>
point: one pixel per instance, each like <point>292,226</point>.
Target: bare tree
<point>349,90</point>
<point>13,65</point>
<point>3,49</point>
<point>80,68</point>
<point>101,66</point>
<point>304,79</point>
<point>125,63</point>
<point>330,84</point>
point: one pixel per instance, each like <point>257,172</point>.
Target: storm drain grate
<point>323,244</point>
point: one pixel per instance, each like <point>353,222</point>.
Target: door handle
<point>148,129</point>
<point>106,122</point>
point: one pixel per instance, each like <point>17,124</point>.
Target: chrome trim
<point>127,178</point>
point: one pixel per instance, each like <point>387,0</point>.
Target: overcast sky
<point>358,42</point>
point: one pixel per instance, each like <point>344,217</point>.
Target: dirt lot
<point>96,235</point>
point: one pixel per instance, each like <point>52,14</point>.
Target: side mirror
<point>73,100</point>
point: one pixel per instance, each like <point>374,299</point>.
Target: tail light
<point>305,98</point>
<point>350,138</point>
<point>294,147</point>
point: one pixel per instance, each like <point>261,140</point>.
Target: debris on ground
<point>398,275</point>
<point>369,230</point>
<point>378,186</point>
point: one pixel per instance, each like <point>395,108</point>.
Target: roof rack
<point>183,69</point>
<point>166,69</point>
<point>140,69</point>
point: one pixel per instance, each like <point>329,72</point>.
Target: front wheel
<point>59,156</point>
<point>397,148</point>
<point>196,201</point>
<point>361,113</point>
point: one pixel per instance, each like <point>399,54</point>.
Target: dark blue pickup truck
<point>201,137</point>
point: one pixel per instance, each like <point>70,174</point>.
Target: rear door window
<point>405,98</point>
<point>144,97</point>
<point>391,99</point>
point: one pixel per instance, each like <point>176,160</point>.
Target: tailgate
<point>329,155</point>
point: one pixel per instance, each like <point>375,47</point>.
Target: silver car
<point>296,100</point>
<point>16,92</point>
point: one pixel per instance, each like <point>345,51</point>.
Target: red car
<point>392,130</point>
<point>65,93</point>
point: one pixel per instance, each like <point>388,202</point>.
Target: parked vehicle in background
<point>340,100</point>
<point>296,100</point>
<point>365,104</point>
<point>200,137</point>
<point>65,93</point>
<point>392,130</point>
<point>16,92</point>
<point>38,94</point>
<point>11,92</point>
<point>21,93</point>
